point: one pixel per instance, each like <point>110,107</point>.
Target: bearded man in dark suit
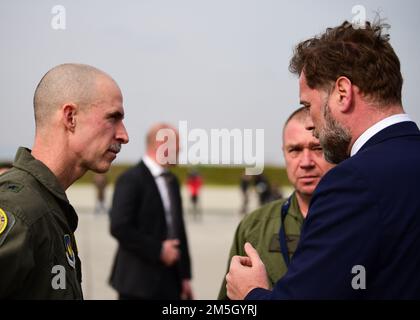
<point>361,236</point>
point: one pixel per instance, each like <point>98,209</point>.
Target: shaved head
<point>151,140</point>
<point>301,115</point>
<point>65,84</point>
<point>162,144</point>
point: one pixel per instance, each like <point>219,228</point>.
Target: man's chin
<point>102,167</point>
<point>307,190</point>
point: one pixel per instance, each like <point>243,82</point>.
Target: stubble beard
<point>334,138</point>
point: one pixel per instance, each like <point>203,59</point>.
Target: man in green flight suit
<point>78,118</point>
<point>305,166</point>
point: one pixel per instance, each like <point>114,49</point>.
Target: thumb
<point>252,253</point>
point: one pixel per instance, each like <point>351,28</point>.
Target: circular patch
<point>3,220</point>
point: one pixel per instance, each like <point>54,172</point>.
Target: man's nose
<point>307,161</point>
<point>122,134</point>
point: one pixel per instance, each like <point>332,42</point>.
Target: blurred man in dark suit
<point>152,260</point>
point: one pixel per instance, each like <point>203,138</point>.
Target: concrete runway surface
<point>209,236</point>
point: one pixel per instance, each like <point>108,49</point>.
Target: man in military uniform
<point>78,118</point>
<point>305,165</point>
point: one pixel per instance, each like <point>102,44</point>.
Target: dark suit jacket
<point>138,223</point>
<point>365,211</point>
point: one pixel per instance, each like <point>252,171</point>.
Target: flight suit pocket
<point>292,243</point>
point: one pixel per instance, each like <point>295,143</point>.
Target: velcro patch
<point>14,187</point>
<point>7,221</point>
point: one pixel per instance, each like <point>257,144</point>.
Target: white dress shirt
<point>156,171</point>
<point>369,133</point>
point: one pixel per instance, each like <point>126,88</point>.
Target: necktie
<point>171,216</point>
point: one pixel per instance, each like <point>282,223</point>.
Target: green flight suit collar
<point>26,162</point>
<point>294,209</point>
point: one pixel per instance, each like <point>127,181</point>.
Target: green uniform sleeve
<point>237,249</point>
<point>16,256</point>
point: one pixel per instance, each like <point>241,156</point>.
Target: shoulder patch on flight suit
<point>71,257</point>
<point>7,221</point>
<point>3,220</point>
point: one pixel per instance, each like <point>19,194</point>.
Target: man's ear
<point>69,112</point>
<point>344,93</point>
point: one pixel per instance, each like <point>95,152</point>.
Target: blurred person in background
<point>263,189</point>
<point>194,185</point>
<point>100,182</point>
<point>245,185</point>
<point>152,260</point>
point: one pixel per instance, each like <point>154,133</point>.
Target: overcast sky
<point>213,63</point>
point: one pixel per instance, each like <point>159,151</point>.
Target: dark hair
<point>363,55</point>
